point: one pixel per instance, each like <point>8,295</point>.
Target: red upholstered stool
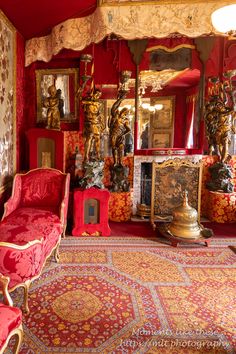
<point>10,319</point>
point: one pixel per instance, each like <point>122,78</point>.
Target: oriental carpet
<point>133,295</point>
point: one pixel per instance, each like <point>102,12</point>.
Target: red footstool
<point>10,319</point>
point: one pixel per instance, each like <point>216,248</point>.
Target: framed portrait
<point>7,99</point>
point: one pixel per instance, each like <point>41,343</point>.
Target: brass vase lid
<point>185,221</point>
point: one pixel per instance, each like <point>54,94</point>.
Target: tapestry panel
<point>7,101</point>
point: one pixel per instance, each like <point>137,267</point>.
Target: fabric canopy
<point>128,22</point>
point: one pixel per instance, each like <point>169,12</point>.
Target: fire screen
<point>169,180</point>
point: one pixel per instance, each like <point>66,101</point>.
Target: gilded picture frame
<point>66,81</point>
<point>162,122</point>
<point>8,102</point>
<point>142,2</point>
<point>169,180</point>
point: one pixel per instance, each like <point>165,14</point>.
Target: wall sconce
<point>223,19</point>
<point>86,58</point>
<point>124,78</point>
<point>154,108</point>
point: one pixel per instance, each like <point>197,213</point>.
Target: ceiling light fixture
<point>224,19</point>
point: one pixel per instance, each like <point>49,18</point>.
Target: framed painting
<point>161,140</point>
<point>7,101</point>
<point>162,122</point>
<point>169,181</point>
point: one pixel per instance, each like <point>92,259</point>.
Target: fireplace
<point>143,177</point>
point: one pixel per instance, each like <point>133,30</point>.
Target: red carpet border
<point>111,295</point>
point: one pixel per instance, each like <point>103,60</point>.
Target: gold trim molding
<point>149,2</point>
<point>170,50</point>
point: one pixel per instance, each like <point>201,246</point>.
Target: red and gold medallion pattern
<point>120,206</point>
<point>218,206</point>
<point>134,296</point>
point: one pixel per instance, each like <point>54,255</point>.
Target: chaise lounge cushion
<point>28,224</point>
<point>34,193</point>
<point>10,318</point>
<point>24,226</point>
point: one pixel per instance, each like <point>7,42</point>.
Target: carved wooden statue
<point>219,121</point>
<point>93,125</point>
<point>52,105</point>
<point>119,127</point>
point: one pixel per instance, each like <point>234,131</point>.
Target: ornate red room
<point>117,176</point>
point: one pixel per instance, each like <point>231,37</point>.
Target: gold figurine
<point>119,127</point>
<point>219,121</point>
<point>93,125</point>
<point>52,105</point>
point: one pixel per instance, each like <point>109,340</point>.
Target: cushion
<point>28,224</point>
<point>10,318</point>
<point>42,188</point>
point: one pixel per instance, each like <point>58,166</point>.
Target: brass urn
<point>185,221</point>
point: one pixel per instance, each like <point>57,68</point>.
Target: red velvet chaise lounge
<point>34,220</point>
<point>10,319</point>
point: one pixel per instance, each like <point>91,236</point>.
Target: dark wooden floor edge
<point>232,248</point>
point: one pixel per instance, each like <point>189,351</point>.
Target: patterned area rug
<point>134,295</point>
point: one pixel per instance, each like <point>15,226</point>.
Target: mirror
<point>166,88</point>
<point>65,81</point>
<point>168,111</point>
<point>156,123</point>
<point>129,138</point>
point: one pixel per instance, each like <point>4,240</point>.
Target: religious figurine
<point>52,105</point>
<point>93,125</point>
<point>119,127</point>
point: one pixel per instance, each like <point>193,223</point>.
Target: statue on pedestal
<point>93,125</point>
<point>119,127</point>
<point>219,118</point>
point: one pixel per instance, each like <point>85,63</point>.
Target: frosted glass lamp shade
<point>224,19</point>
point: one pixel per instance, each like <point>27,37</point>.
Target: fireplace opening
<point>146,183</point>
<point>144,207</point>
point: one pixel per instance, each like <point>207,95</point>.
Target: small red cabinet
<point>90,213</point>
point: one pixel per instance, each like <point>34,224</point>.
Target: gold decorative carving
<point>18,332</point>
